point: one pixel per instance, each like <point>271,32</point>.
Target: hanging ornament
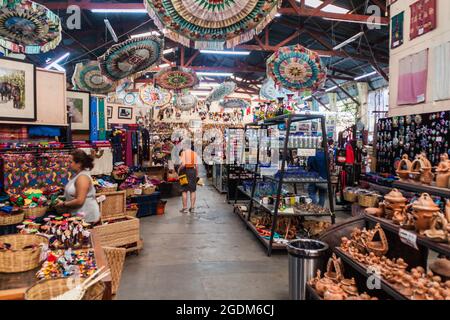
<point>211,24</point>
<point>176,78</point>
<point>130,98</point>
<point>122,88</point>
<point>131,57</point>
<point>28,27</point>
<point>154,97</point>
<point>221,91</point>
<point>234,103</point>
<point>296,68</point>
<point>88,77</point>
<point>186,102</point>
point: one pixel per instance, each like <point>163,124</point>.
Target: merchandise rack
<point>287,120</point>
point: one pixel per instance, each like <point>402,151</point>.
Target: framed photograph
<point>125,113</point>
<point>109,112</point>
<point>17,90</point>
<point>78,105</point>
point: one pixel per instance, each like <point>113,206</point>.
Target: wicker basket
<point>131,191</point>
<point>108,189</point>
<point>148,190</point>
<point>132,213</point>
<point>119,177</point>
<point>35,212</point>
<point>115,258</point>
<point>48,289</point>
<point>368,200</point>
<point>11,219</point>
<point>21,260</point>
<point>350,196</point>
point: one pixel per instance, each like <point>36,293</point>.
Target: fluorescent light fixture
<point>55,65</point>
<point>119,10</point>
<point>278,15</point>
<point>224,52</point>
<point>373,23</point>
<point>214,74</point>
<point>164,65</point>
<point>366,75</point>
<point>331,8</point>
<point>145,34</point>
<point>331,89</point>
<point>346,42</point>
<point>111,30</point>
<point>325,55</point>
<point>307,98</point>
<point>167,51</point>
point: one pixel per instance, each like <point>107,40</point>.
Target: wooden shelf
<point>388,225</point>
<point>421,188</point>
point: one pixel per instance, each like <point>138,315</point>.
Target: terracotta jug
<point>394,200</point>
<point>404,168</point>
<point>423,210</point>
<point>443,172</point>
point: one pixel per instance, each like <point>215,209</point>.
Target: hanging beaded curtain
<point>296,68</point>
<point>28,27</point>
<point>88,77</point>
<point>212,24</point>
<point>131,57</point>
<point>176,78</point>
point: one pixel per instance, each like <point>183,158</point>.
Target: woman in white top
<point>80,191</point>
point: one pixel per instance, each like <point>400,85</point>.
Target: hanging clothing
<point>412,80</point>
<point>103,163</point>
<point>349,154</point>
<point>90,206</point>
<point>441,67</point>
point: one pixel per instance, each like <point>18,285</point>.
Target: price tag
<point>137,191</point>
<point>421,31</point>
<point>101,198</point>
<point>421,98</point>
<point>306,152</point>
<point>408,238</point>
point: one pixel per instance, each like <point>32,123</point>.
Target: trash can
<point>304,260</point>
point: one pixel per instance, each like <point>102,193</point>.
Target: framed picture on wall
<point>109,112</point>
<point>125,113</point>
<point>78,106</point>
<point>17,90</point>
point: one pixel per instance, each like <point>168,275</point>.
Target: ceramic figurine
<point>349,287</point>
<point>334,269</point>
<point>334,292</point>
<point>392,201</point>
<point>423,210</point>
<point>438,228</point>
<point>443,172</point>
<point>378,247</point>
<point>322,284</point>
<point>421,169</point>
<point>404,168</point>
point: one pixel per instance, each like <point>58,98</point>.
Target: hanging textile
<point>103,160</point>
<point>412,81</point>
<point>423,18</point>
<point>397,30</point>
<point>101,119</point>
<point>441,67</point>
<point>129,149</point>
<point>93,136</point>
<point>8,133</point>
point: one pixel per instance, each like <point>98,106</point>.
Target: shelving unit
<point>287,120</point>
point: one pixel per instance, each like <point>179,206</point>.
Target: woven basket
<point>11,219</point>
<point>116,258</point>
<point>119,177</point>
<point>350,196</point>
<point>368,200</point>
<point>149,190</point>
<point>108,189</point>
<point>48,289</point>
<point>132,213</point>
<point>130,192</point>
<point>34,212</point>
<point>21,260</point>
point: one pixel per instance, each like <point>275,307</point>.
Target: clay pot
<point>395,196</point>
<point>334,292</point>
<point>421,169</point>
<point>443,172</point>
<point>322,285</point>
<point>438,229</point>
<point>404,168</point>
<point>424,209</point>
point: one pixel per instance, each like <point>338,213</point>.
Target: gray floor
<point>209,255</point>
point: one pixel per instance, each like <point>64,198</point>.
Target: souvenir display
<point>176,78</point>
<point>122,88</point>
<point>186,102</point>
<point>234,103</point>
<point>296,68</point>
<point>221,91</point>
<point>28,27</point>
<point>131,57</point>
<point>88,77</point>
<point>154,97</point>
<point>211,24</point>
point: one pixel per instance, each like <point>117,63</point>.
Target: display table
<point>14,285</point>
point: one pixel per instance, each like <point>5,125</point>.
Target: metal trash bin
<point>304,260</point>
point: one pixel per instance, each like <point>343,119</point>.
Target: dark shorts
<point>191,174</point>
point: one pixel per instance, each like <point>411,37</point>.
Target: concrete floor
<point>209,255</point>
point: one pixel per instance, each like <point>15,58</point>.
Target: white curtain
<point>441,66</point>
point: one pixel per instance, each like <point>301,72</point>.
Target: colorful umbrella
<point>221,91</point>
<point>176,78</point>
<point>234,103</point>
<point>211,24</point>
<point>186,102</point>
<point>131,57</point>
<point>88,77</point>
<point>28,27</point>
<point>154,97</point>
<point>296,68</point>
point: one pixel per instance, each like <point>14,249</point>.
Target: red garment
<point>350,155</point>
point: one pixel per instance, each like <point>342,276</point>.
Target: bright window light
<point>366,76</point>
<point>331,8</point>
<point>164,65</point>
<point>55,64</point>
<point>145,34</point>
<point>232,53</point>
<point>119,10</point>
<point>374,23</point>
<point>214,74</point>
<point>331,89</point>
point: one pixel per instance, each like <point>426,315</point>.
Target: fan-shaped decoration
<point>131,57</point>
<point>176,78</point>
<point>221,91</point>
<point>186,102</point>
<point>88,77</point>
<point>210,24</point>
<point>154,97</point>
<point>28,27</point>
<point>296,68</point>
<point>234,103</point>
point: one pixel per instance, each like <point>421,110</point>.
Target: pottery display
<point>349,287</point>
<point>394,200</point>
<point>443,172</point>
<point>400,216</point>
<point>421,170</point>
<point>442,268</point>
<point>377,212</point>
<point>438,229</point>
<point>334,292</point>
<point>423,210</point>
<point>404,168</point>
<point>334,269</point>
<point>447,211</point>
<point>378,247</point>
<point>322,285</point>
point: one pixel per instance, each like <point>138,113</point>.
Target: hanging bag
<point>183,180</point>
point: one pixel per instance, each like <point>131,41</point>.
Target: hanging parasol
<point>28,27</point>
<point>296,68</point>
<point>186,102</point>
<point>211,24</point>
<point>154,97</point>
<point>88,77</point>
<point>176,78</point>
<point>221,91</point>
<point>131,57</point>
<point>234,103</point>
